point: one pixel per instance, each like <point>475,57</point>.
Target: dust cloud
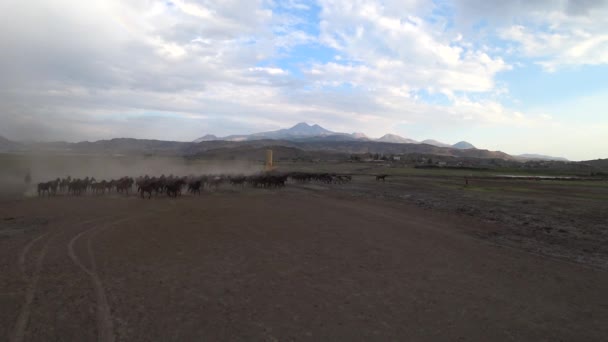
<point>44,167</point>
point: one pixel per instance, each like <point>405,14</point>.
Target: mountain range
<point>531,156</point>
<point>301,139</point>
<point>304,131</point>
<point>8,145</point>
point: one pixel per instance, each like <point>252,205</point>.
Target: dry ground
<point>294,264</point>
<point>563,219</point>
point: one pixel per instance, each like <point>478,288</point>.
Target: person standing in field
<point>28,178</point>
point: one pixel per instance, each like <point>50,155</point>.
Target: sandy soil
<point>295,264</point>
<point>566,220</point>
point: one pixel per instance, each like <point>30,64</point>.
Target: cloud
<point>178,69</point>
<point>555,34</point>
<point>390,48</point>
<point>559,48</point>
<point>140,56</point>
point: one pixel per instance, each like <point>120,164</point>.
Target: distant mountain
<point>9,145</point>
<point>328,145</point>
<point>599,164</point>
<point>396,139</point>
<point>208,137</point>
<point>333,146</point>
<point>301,130</point>
<point>435,143</point>
<point>331,137</point>
<point>531,156</point>
<point>358,135</point>
<point>128,146</point>
<point>463,145</point>
<point>305,132</point>
<point>310,138</point>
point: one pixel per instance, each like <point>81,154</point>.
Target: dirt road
<point>276,266</point>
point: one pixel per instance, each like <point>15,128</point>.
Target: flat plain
<point>421,256</point>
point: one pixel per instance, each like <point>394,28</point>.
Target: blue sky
<point>517,76</point>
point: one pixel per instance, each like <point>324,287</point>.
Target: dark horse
<point>195,187</point>
<point>174,189</point>
<point>147,187</point>
<point>381,177</point>
<point>45,187</point>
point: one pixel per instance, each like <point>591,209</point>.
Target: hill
<point>208,137</point>
<point>599,164</point>
<point>463,145</point>
<point>299,131</point>
<point>530,156</point>
<point>310,147</point>
<point>397,139</point>
<point>303,132</point>
<point>435,143</point>
<point>9,145</point>
<point>349,147</point>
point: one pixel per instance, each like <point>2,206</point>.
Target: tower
<point>268,166</point>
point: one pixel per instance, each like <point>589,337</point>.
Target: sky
<point>520,76</point>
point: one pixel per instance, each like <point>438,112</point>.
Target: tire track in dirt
<point>33,280</point>
<point>32,284</point>
<point>24,253</point>
<point>105,327</point>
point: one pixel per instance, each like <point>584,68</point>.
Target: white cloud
<point>176,59</point>
<point>555,33</point>
<point>179,69</point>
<point>560,47</point>
<point>391,49</point>
<point>194,9</point>
<point>295,4</point>
<point>271,71</point>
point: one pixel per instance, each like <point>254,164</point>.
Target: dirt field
<point>302,263</point>
<point>562,219</point>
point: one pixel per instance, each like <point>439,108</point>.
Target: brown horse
<point>195,187</point>
<point>174,188</point>
<point>44,187</point>
<point>124,184</point>
<point>147,186</point>
<point>381,178</point>
<point>99,187</point>
<point>54,185</point>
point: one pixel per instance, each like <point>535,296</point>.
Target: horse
<point>124,184</point>
<point>147,187</point>
<point>381,178</point>
<point>44,187</point>
<point>77,186</point>
<point>65,184</point>
<point>341,179</point>
<point>53,186</point>
<point>215,182</point>
<point>195,187</point>
<point>175,188</point>
<point>238,180</point>
<point>99,187</point>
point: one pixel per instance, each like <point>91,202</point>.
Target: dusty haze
<point>45,167</point>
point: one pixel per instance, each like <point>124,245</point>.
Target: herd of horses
<point>173,186</point>
<point>78,186</point>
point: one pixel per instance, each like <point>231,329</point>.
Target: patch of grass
<point>591,184</point>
